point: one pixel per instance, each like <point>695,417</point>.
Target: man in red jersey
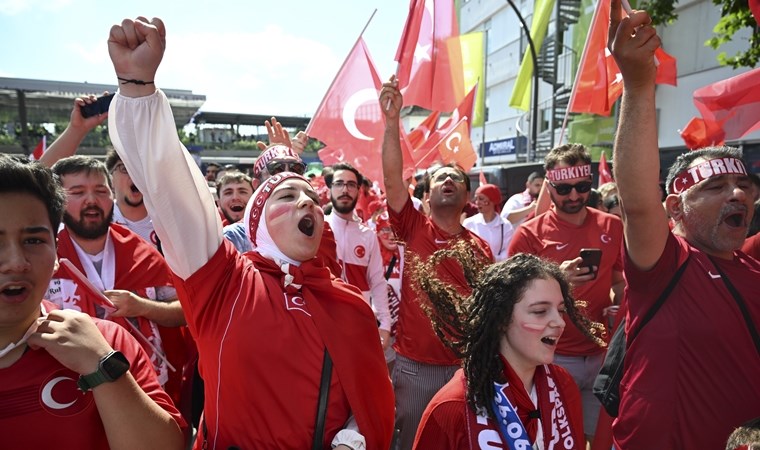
<point>423,363</point>
<point>117,261</point>
<point>691,374</point>
<point>559,234</point>
<point>48,357</point>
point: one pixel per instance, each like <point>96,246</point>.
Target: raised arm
<point>393,161</point>
<point>143,133</point>
<point>633,42</point>
<point>77,129</point>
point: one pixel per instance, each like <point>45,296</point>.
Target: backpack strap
<point>660,300</point>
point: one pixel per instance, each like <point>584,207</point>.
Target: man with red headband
<point>559,235</point>
<point>691,373</point>
<point>291,357</point>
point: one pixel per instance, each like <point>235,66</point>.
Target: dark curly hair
<point>472,326</point>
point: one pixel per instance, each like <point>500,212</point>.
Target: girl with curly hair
<point>508,394</point>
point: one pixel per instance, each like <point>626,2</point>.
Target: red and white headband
<point>707,169</point>
<point>278,152</point>
<point>569,173</point>
<point>255,206</point>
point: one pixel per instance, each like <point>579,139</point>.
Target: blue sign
<point>506,147</point>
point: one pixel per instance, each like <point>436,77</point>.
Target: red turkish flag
<point>754,6</point>
<point>599,83</point>
<point>605,176</point>
<point>349,120</point>
<point>430,76</point>
<point>464,109</point>
<point>730,109</point>
<point>451,145</point>
<point>422,131</point>
<point>39,149</point>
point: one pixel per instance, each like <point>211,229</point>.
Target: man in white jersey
<point>357,246</point>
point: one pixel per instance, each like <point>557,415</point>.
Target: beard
<point>570,207</point>
<point>343,209</point>
<point>84,231</point>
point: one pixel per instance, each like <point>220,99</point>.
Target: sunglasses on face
<point>455,176</point>
<point>564,189</point>
<point>275,167</point>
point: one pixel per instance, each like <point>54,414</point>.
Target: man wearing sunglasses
<point>559,234</point>
<point>423,363</point>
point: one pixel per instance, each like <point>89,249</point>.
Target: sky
<point>274,57</point>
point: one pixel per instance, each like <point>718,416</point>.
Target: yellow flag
<point>541,14</point>
<point>470,48</point>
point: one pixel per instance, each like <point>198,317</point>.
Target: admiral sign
<point>505,150</point>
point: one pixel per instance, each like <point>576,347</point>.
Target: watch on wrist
<point>110,368</point>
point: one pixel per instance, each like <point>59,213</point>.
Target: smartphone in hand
<point>592,257</point>
<point>99,106</point>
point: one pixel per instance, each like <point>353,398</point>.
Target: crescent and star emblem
<point>47,394</point>
<point>352,105</point>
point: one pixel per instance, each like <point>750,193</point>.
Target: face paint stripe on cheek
<point>278,211</point>
<point>532,326</point>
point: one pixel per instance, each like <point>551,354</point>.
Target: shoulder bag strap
<point>391,265</point>
<point>324,390</point>
<point>740,302</point>
<point>660,300</point>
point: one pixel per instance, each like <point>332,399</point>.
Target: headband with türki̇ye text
<point>704,170</point>
<point>568,173</point>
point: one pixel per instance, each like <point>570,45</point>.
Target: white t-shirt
<point>498,232</point>
<point>143,227</point>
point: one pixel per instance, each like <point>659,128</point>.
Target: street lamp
<point>534,56</point>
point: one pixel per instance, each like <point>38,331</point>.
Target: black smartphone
<point>592,257</point>
<point>99,106</point>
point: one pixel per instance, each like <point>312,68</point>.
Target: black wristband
<point>133,81</point>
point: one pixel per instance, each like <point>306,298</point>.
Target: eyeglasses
<point>340,184</point>
<point>275,167</point>
<point>455,176</point>
<point>564,189</point>
<point>121,168</point>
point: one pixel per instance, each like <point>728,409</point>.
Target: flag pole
<point>308,127</point>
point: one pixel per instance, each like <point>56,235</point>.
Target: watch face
<point>115,366</point>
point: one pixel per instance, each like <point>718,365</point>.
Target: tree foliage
<point>735,16</point>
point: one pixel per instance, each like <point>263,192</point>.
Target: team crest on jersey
<point>295,302</point>
<point>60,396</point>
<point>360,251</point>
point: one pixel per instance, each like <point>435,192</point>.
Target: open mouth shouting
<point>735,219</point>
<point>237,208</point>
<point>14,292</point>
<point>307,224</point>
<point>134,189</point>
<point>550,340</point>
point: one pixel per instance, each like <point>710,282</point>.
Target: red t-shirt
<point>415,337</point>
<point>552,238</point>
<point>41,406</point>
<point>752,246</point>
<point>692,374</point>
<point>449,423</point>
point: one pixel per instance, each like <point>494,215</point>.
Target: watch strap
<point>100,376</point>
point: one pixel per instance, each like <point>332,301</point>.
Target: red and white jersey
<point>362,264</point>
<point>41,406</point>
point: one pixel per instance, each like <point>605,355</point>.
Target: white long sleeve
<point>143,133</point>
<point>378,286</point>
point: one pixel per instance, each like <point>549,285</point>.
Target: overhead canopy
<point>51,101</point>
<point>219,118</point>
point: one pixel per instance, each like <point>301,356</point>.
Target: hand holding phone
<point>99,106</point>
<point>592,257</point>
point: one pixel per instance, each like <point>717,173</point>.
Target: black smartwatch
<point>110,368</point>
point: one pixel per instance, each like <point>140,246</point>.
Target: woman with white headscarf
<point>269,324</point>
